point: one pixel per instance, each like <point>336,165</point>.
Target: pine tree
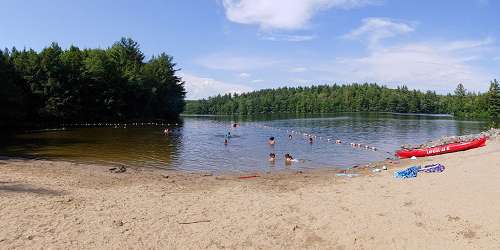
<point>494,100</point>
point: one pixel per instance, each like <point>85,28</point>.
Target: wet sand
<point>60,205</point>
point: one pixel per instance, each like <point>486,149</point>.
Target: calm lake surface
<point>197,143</point>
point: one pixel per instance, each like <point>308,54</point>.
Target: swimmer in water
<point>272,157</point>
<point>311,140</point>
<point>289,159</point>
<point>338,141</point>
<point>226,141</point>
<point>271,140</point>
<point>228,134</point>
<point>289,136</point>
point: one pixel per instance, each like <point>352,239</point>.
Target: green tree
<point>494,99</point>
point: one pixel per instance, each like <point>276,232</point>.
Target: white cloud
<point>469,44</point>
<point>418,65</point>
<point>235,63</point>
<point>282,14</point>
<point>375,29</point>
<point>202,87</point>
<point>244,75</point>
<point>288,38</point>
<point>298,70</point>
<point>257,81</point>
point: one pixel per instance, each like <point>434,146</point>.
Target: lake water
<point>197,143</point>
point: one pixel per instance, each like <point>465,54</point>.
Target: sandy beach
<point>61,205</point>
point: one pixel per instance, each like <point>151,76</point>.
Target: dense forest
<point>82,85</point>
<point>353,98</point>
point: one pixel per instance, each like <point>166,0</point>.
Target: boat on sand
<point>442,149</point>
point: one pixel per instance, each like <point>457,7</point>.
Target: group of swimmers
<point>272,141</point>
<point>228,135</point>
<point>359,145</point>
<point>288,158</point>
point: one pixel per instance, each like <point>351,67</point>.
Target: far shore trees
<point>494,99</point>
<point>353,98</point>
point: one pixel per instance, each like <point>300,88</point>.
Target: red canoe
<point>443,149</point>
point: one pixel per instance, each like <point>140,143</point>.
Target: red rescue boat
<point>443,149</point>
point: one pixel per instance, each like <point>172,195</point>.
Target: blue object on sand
<point>433,168</point>
<point>410,172</point>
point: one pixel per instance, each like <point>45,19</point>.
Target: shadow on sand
<point>24,188</point>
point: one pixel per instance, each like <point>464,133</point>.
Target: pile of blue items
<point>412,172</point>
<point>433,168</point>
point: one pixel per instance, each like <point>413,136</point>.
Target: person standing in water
<point>311,141</point>
<point>272,157</point>
<point>289,136</point>
<point>288,159</point>
<point>226,141</point>
<point>271,140</point>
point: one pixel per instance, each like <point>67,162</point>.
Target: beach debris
<point>165,176</point>
<point>70,199</point>
<point>346,175</point>
<point>193,222</point>
<point>376,170</point>
<point>121,169</point>
<point>384,167</point>
<point>118,223</point>
<point>248,176</point>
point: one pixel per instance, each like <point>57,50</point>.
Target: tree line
<point>82,85</point>
<point>353,98</point>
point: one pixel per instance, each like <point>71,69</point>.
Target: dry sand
<point>58,205</point>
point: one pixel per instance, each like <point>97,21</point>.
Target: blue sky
<point>241,45</point>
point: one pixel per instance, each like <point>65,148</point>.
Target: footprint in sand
<point>453,218</point>
<point>468,234</point>
<point>408,203</point>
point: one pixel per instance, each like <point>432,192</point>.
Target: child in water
<point>271,140</point>
<point>272,157</point>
